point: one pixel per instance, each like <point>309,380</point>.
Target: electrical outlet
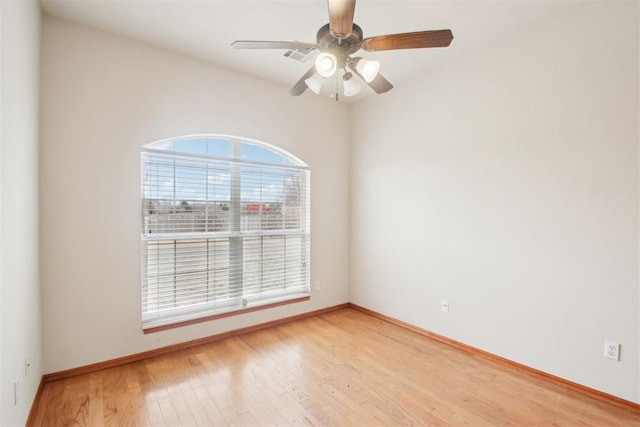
<point>444,305</point>
<point>612,350</point>
<point>317,285</point>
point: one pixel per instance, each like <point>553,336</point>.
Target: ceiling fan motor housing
<point>341,48</point>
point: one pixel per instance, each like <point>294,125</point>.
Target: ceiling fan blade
<point>261,44</point>
<point>379,84</point>
<point>300,86</point>
<point>341,17</point>
<point>419,39</point>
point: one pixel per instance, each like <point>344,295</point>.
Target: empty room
<point>316,212</point>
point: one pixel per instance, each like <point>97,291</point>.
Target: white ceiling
<point>206,28</point>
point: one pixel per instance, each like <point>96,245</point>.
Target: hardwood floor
<point>339,368</point>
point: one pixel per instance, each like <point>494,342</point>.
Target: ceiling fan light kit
<point>338,40</point>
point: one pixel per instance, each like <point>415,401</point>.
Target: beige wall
<point>20,336</point>
<point>103,97</point>
<point>507,183</point>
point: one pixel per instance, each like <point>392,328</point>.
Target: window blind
<point>221,234</point>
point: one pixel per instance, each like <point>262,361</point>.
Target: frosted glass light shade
<point>368,69</point>
<point>350,86</point>
<point>326,64</point>
<point>314,83</point>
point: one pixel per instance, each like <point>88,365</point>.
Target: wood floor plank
<point>343,368</point>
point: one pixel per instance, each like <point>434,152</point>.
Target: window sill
<point>178,324</point>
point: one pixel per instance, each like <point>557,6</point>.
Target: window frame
<point>165,318</point>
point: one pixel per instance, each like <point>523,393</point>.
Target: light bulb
<point>368,69</point>
<point>351,86</point>
<point>326,64</point>
<point>314,83</point>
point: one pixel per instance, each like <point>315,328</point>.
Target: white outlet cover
<point>444,305</point>
<point>612,350</point>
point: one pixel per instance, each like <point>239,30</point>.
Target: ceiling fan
<point>338,40</point>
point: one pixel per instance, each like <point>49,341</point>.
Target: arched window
<point>225,227</point>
